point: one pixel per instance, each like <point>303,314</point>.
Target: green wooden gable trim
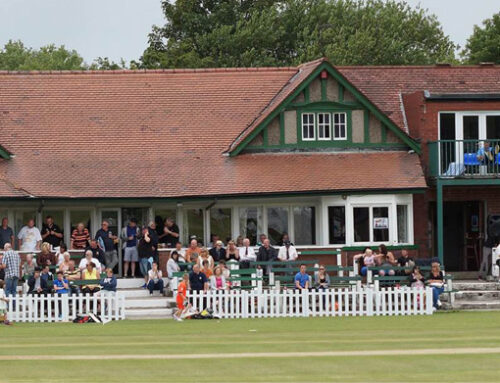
<point>344,84</point>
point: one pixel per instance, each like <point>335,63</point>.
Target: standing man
<point>51,233</point>
<point>29,237</point>
<point>170,234</point>
<point>154,240</point>
<point>6,233</point>
<point>106,241</point>
<point>130,233</point>
<point>11,263</point>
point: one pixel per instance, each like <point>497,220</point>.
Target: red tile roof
<point>163,133</point>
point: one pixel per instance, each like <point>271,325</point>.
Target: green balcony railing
<point>464,158</point>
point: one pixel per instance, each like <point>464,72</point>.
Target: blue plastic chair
<point>497,159</point>
<point>470,159</point>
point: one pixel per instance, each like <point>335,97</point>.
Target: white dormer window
<point>308,127</point>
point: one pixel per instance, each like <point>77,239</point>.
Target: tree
<point>227,33</point>
<point>15,56</point>
<point>484,43</point>
<point>103,63</point>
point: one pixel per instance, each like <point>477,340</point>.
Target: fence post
<point>369,302</point>
<point>339,261</point>
<point>305,302</point>
<point>428,301</point>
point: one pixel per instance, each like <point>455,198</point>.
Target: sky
<point>119,28</point>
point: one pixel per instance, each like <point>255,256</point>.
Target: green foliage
<point>484,43</point>
<point>268,33</point>
<point>103,63</point>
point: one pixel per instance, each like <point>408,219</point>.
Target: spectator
<point>90,274</point>
<point>405,261</point>
<point>46,257</point>
<point>180,252</point>
<point>181,297</point>
<point>2,271</point>
<point>485,154</point>
<point>225,270</point>
<point>11,263</point>
<point>154,239</point>
<point>72,274</point>
<point>46,274</point>
<point>321,279</point>
<point>366,260</point>
<point>284,238</point>
<point>63,251</point>
<point>416,278</point>
<point>213,240</point>
<point>262,238</point>
<point>193,251</point>
<point>61,285</point>
<point>51,233</point>
<point>266,253</point>
<point>247,254</point>
<point>205,256</point>
<point>80,237</point>
<point>29,238</point>
<point>436,281</point>
<point>29,265</point>
<point>89,259</point>
<point>106,241</point>
<point>108,283</point>
<point>97,252</point>
<point>239,241</point>
<point>218,252</point>
<point>287,252</point>
<point>232,252</point>
<point>3,304</point>
<point>217,280</point>
<point>146,251</point>
<point>170,234</point>
<point>302,279</point>
<point>197,280</point>
<point>6,233</point>
<point>36,284</point>
<point>172,265</point>
<point>155,281</point>
<point>206,269</point>
<point>386,260</point>
<point>64,265</point>
<point>130,233</point>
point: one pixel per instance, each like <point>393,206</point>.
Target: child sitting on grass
<point>3,305</point>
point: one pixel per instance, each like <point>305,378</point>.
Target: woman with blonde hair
<point>205,256</point>
<point>46,257</point>
<point>218,281</point>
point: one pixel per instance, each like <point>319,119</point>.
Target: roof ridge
<point>429,66</point>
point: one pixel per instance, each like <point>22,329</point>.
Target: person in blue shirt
<point>302,279</point>
<point>485,154</point>
<point>61,285</point>
<point>109,283</point>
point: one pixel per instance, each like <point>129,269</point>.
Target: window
<point>220,223</point>
<point>194,225</point>
<point>380,224</point>
<point>277,223</point>
<point>139,213</point>
<point>324,126</point>
<point>80,216</point>
<point>308,127</point>
<point>471,127</point>
<point>336,225</point>
<point>402,212</point>
<point>250,219</point>
<point>304,225</point>
<point>361,224</point>
<point>493,128</point>
<point>339,126</point>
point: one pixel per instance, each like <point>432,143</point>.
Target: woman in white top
<point>172,265</point>
<point>205,256</point>
<point>217,281</point>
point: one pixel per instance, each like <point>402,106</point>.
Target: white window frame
<point>302,125</point>
<point>334,125</point>
<point>324,127</point>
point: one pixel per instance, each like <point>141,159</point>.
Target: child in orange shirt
<point>181,297</point>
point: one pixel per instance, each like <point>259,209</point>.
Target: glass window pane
<point>77,216</point>
<point>336,224</point>
<point>308,126</point>
<point>139,213</point>
<point>220,223</point>
<point>304,221</point>
<point>361,224</point>
<point>402,211</point>
<point>471,127</point>
<point>277,223</point>
<point>194,225</point>
<point>249,223</point>
<point>493,128</point>
<point>380,224</point>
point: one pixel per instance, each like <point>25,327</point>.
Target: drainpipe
<point>439,207</point>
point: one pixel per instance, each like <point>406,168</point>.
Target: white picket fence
<point>311,303</point>
<point>63,308</point>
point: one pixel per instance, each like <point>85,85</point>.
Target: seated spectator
<point>64,265</point>
<point>217,280</point>
<point>485,154</point>
<point>266,253</point>
<point>239,241</point>
<point>61,285</point>
<point>232,252</point>
<point>155,281</point>
<point>436,281</point>
<point>146,253</point>
<point>206,269</point>
<point>218,252</point>
<point>108,283</point>
<point>366,260</point>
<point>302,279</point>
<point>405,261</point>
<point>89,259</point>
<point>29,266</point>
<point>80,237</point>
<point>181,253</point>
<point>287,252</point>
<point>247,254</point>
<point>63,249</point>
<point>193,251</point>
<point>181,298</point>
<point>386,260</point>
<point>73,274</point>
<point>416,278</point>
<point>321,279</point>
<point>97,252</point>
<point>197,280</point>
<point>90,274</point>
<point>37,285</point>
<point>172,265</point>
<point>205,256</point>
<point>46,257</point>
<point>46,274</point>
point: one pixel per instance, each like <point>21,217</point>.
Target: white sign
<point>381,223</point>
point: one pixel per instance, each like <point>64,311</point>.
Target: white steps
<point>474,295</point>
<point>149,313</point>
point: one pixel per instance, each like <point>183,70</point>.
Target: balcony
<point>464,159</point>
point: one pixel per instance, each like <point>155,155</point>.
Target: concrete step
<point>133,283</point>
<point>475,285</point>
<point>476,305</point>
<point>149,313</point>
<point>478,295</point>
<point>153,302</point>
<point>138,293</point>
